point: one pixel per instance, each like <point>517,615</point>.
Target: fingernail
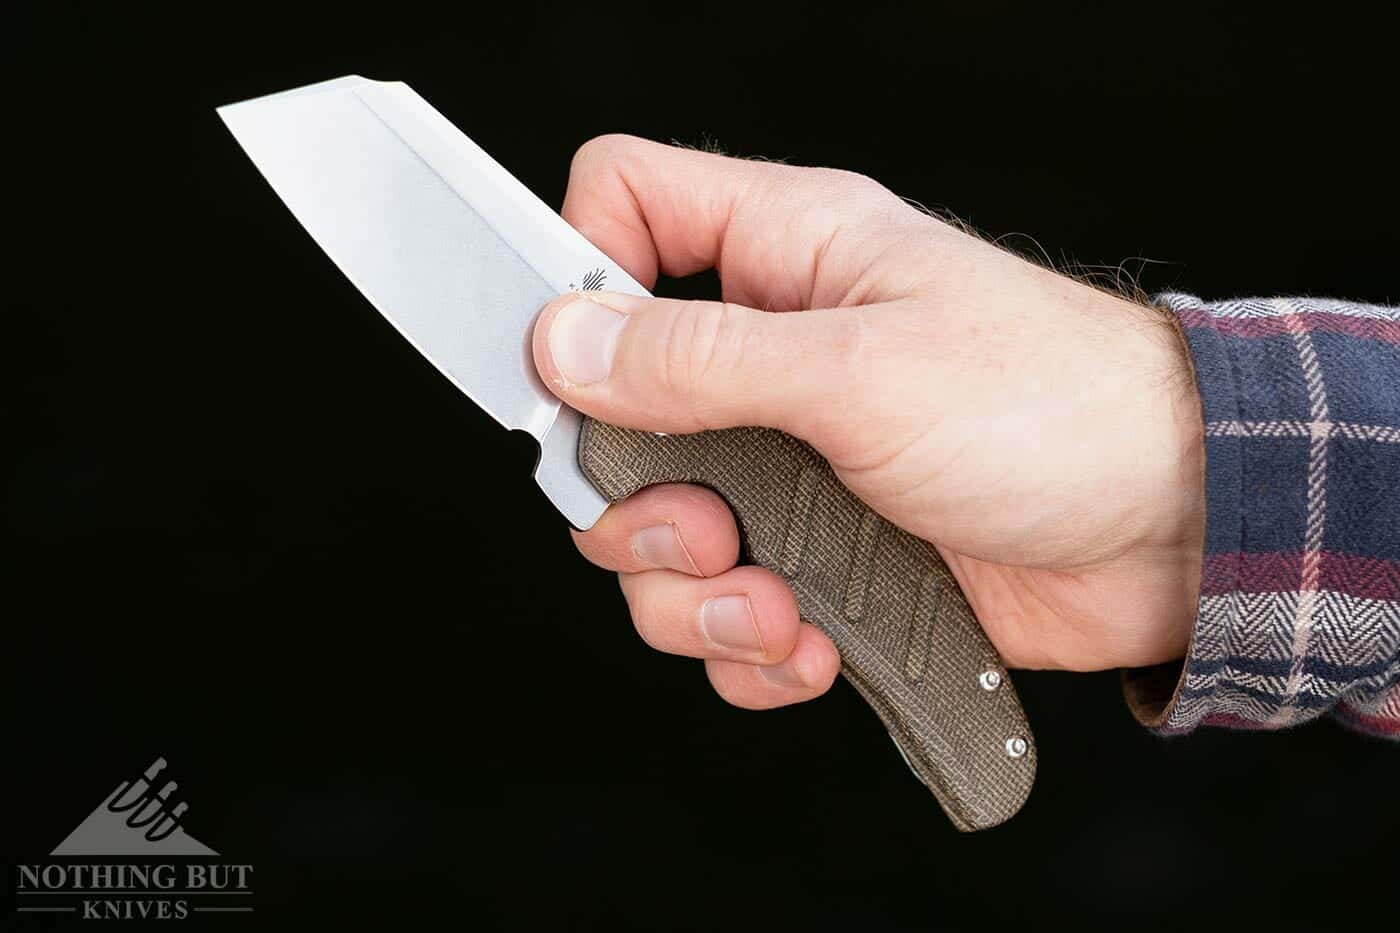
<point>728,622</point>
<point>583,339</point>
<point>661,546</point>
<point>784,675</point>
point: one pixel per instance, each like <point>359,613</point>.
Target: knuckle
<point>704,341</point>
<point>603,150</point>
<point>712,326</point>
<point>856,185</point>
<point>858,197</point>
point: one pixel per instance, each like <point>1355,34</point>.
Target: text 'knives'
<point>460,257</point>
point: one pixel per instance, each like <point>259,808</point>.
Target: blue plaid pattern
<point>1299,612</point>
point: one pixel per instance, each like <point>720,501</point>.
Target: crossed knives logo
<point>137,819</point>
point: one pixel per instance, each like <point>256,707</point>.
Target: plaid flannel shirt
<point>1299,612</point>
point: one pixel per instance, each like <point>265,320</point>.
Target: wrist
<point>1160,410</point>
<point>1186,493</point>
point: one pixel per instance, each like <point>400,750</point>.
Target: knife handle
<point>909,642</point>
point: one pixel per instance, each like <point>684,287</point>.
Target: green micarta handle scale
<point>909,642</point>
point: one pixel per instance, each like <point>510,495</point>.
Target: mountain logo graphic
<point>592,281</point>
<point>140,817</point>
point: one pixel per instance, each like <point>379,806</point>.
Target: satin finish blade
<point>455,252</point>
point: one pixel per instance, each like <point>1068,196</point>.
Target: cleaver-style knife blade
<point>460,257</point>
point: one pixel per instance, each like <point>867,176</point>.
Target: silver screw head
<point>1016,746</point>
<point>990,680</point>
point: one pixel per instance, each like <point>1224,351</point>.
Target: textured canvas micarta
<point>909,642</point>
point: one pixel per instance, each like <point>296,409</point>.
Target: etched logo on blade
<point>592,281</point>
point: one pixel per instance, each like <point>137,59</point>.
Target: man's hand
<point>1043,435</point>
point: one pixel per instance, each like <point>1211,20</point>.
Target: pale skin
<point>1044,435</point>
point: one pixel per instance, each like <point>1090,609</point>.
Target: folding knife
<point>460,257</point>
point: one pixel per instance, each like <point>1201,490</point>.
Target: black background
<point>247,533</point>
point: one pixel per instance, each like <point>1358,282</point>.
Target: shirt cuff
<point>1291,622</point>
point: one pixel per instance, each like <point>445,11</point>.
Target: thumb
<point>658,364</point>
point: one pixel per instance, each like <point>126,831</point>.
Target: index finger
<point>779,234</point>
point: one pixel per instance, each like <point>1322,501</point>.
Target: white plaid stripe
<point>1320,424</point>
<point>1244,308</point>
<point>1333,429</point>
<point>1351,630</point>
